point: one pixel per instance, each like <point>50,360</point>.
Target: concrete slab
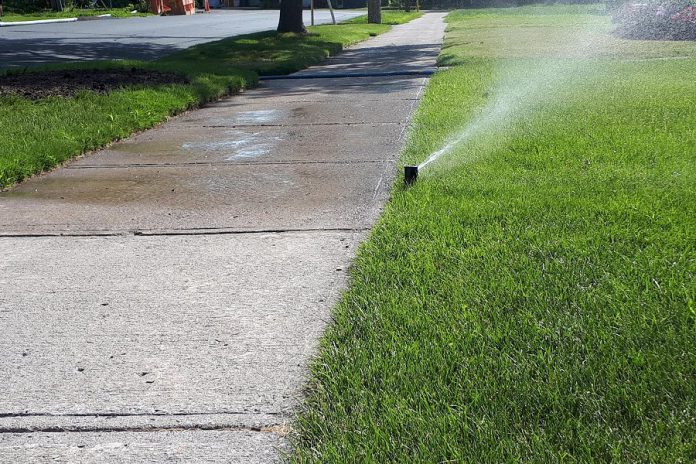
<point>229,113</point>
<point>357,61</point>
<point>171,325</point>
<point>304,144</point>
<point>194,197</point>
<point>365,89</point>
<point>156,330</point>
<point>410,47</point>
<point>141,447</point>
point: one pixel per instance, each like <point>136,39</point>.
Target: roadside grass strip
<point>531,297</point>
<point>38,135</point>
<point>71,13</point>
<point>392,18</point>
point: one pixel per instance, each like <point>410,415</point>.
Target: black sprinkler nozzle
<point>410,175</point>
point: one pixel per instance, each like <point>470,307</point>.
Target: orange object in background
<point>157,7</point>
<point>188,5</point>
<point>175,7</point>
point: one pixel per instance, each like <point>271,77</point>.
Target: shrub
<point>33,6</point>
<point>26,6</point>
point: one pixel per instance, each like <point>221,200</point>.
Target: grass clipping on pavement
<point>39,134</point>
<point>531,297</point>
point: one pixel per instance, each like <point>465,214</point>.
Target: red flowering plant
<point>657,20</point>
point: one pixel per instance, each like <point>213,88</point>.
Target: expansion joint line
<point>279,429</point>
<point>378,123</point>
<point>94,415</point>
<point>167,233</point>
<point>274,424</point>
<point>352,75</point>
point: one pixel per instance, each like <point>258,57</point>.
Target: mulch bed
<point>67,83</point>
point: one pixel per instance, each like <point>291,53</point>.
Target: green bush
<point>33,6</point>
<point>143,6</point>
<point>26,6</point>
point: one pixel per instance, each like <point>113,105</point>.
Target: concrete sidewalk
<point>160,299</point>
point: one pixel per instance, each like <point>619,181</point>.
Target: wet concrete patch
<point>259,116</point>
<point>174,144</point>
<point>232,145</point>
<point>240,197</point>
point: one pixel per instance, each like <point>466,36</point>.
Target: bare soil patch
<point>67,83</point>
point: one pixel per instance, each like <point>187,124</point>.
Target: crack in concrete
<point>132,414</point>
<point>280,429</point>
<point>269,422</point>
<point>152,233</point>
<point>382,123</point>
<point>362,100</point>
<point>348,75</point>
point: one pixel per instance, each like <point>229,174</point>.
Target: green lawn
<point>37,135</point>
<point>69,13</point>
<point>390,17</point>
<point>531,297</point>
<point>270,53</point>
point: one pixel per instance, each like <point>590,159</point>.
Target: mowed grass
<point>543,32</point>
<point>390,17</point>
<point>270,53</point>
<point>531,297</point>
<point>37,135</point>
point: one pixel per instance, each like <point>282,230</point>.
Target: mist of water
<point>529,85</point>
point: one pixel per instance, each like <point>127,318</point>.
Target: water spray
<point>519,93</point>
<point>411,172</point>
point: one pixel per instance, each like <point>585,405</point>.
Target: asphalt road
<point>135,38</point>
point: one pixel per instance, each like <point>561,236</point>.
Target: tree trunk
<point>333,16</point>
<point>291,17</point>
<point>57,5</point>
<point>374,11</point>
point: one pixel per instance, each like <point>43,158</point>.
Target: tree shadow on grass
<point>33,52</point>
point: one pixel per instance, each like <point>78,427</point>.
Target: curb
<point>57,20</point>
<point>93,18</point>
<point>38,21</point>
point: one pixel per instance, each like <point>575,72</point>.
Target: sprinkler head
<point>410,175</point>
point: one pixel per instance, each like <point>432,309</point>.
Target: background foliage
<point>32,6</point>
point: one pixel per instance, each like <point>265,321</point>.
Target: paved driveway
<point>137,38</point>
